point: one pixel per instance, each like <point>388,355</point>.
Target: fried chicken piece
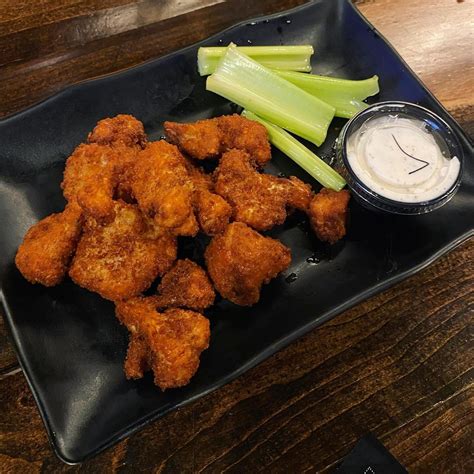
<point>90,178</point>
<point>120,260</point>
<point>174,340</point>
<point>209,138</point>
<point>122,129</point>
<point>241,260</point>
<point>163,189</point>
<point>328,214</point>
<point>212,211</point>
<point>259,200</point>
<point>48,246</point>
<point>186,285</point>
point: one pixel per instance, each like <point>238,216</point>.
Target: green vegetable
<point>345,95</point>
<point>290,58</point>
<point>301,155</point>
<point>260,90</point>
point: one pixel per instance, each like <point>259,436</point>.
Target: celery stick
<point>258,89</point>
<point>301,155</point>
<point>290,58</point>
<point>343,94</point>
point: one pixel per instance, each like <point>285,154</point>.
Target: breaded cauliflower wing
<point>120,260</point>
<point>173,341</point>
<point>186,285</point>
<point>127,136</point>
<point>259,200</point>
<point>163,189</point>
<point>124,130</point>
<point>328,214</point>
<point>207,139</point>
<point>200,140</point>
<point>241,260</point>
<point>247,135</point>
<point>48,246</point>
<point>90,179</point>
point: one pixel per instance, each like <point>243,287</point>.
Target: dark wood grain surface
<point>399,365</point>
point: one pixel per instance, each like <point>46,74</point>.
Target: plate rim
<point>288,338</point>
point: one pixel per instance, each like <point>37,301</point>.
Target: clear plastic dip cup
<point>400,158</point>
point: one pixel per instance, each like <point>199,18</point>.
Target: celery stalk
<point>343,94</point>
<point>301,155</point>
<point>289,58</point>
<point>249,84</point>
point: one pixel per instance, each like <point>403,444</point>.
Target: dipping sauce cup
<point>400,158</point>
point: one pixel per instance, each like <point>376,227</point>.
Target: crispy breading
<point>299,194</point>
<point>244,134</point>
<point>120,260</point>
<point>174,340</point>
<point>200,140</point>
<point>122,129</point>
<point>127,136</point>
<point>259,200</point>
<point>136,361</point>
<point>201,180</point>
<point>212,211</point>
<point>124,168</point>
<point>207,139</point>
<point>130,312</point>
<point>48,246</point>
<point>241,260</point>
<point>186,285</point>
<point>189,227</point>
<point>163,189</point>
<point>90,178</point>
<point>328,214</point>
<point>94,174</point>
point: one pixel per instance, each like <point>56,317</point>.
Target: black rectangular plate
<point>69,343</point>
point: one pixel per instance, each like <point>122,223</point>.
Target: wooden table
<point>399,365</point>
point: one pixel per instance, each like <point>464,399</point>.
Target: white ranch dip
<point>399,159</point>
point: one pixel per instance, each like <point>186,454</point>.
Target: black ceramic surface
<point>69,343</point>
